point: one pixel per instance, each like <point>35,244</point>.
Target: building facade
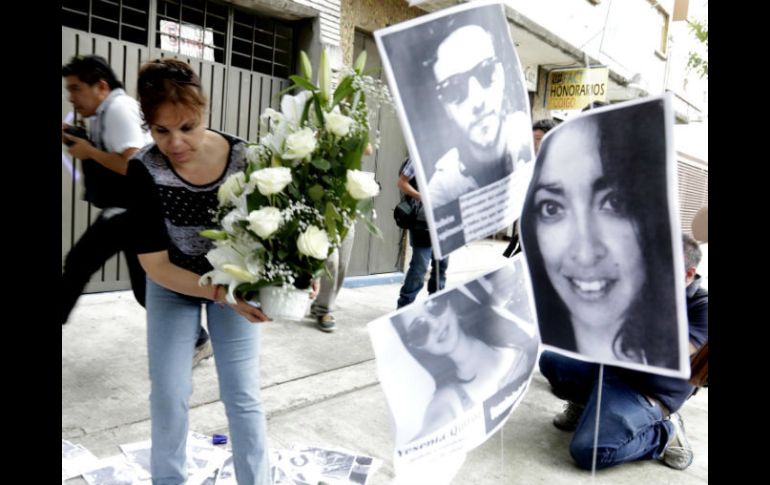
<point>244,51</point>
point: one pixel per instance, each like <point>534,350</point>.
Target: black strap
<point>513,248</point>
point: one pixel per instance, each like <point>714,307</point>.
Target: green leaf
<point>373,229</point>
<point>318,111</point>
<point>316,192</point>
<point>349,143</point>
<point>294,192</point>
<point>321,164</point>
<point>285,90</point>
<point>365,206</point>
<point>344,90</point>
<point>352,159</point>
<point>303,82</point>
<point>282,253</point>
<point>330,217</point>
<point>306,111</point>
<point>328,273</point>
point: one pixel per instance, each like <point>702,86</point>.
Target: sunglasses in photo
<point>418,330</point>
<point>454,89</point>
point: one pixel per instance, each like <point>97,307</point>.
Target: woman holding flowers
<point>178,181</point>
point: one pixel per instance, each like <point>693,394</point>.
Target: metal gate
<point>372,255</point>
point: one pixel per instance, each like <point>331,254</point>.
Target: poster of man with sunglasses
<point>464,109</point>
<point>453,367</point>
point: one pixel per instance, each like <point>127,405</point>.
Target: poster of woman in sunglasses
<point>454,366</point>
<point>464,108</point>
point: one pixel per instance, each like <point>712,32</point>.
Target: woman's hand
<point>248,311</point>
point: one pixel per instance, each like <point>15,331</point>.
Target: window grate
<point>120,19</point>
<point>262,44</point>
<point>194,28</point>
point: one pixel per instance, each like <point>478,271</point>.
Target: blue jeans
<point>630,426</point>
<point>415,275</point>
<point>173,322</point>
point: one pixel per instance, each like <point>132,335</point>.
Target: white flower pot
<point>284,304</point>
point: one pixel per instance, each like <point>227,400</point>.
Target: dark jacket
<point>418,234</point>
<point>672,391</point>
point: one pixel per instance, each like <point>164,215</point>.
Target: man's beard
<point>485,163</point>
<point>494,142</point>
<point>475,152</point>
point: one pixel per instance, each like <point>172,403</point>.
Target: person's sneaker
<point>678,453</point>
<point>202,352</point>
<point>567,420</point>
<point>326,322</point>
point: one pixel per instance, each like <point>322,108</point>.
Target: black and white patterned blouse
<point>167,212</point>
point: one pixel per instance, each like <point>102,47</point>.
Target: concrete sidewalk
<point>322,389</point>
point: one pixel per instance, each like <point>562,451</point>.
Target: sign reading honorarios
<point>575,88</point>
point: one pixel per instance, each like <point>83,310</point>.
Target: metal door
<point>372,255</point>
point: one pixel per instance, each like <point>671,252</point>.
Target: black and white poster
<point>464,108</point>
<point>455,365</point>
<point>303,465</point>
<point>601,233</point>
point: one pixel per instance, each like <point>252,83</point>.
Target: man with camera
<point>114,134</point>
<point>419,239</point>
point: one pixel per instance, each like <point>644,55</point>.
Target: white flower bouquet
<point>302,189</point>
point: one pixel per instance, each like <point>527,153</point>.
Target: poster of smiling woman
<point>602,238</point>
<point>464,109</point>
<point>454,366</point>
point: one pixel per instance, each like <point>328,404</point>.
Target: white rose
<point>361,185</point>
<point>300,144</point>
<point>338,124</point>
<point>314,243</point>
<point>231,188</point>
<point>272,180</point>
<point>265,221</point>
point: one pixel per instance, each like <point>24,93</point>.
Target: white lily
<point>231,267</point>
<point>293,106</point>
<point>232,217</point>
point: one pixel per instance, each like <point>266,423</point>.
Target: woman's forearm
<point>168,275</point>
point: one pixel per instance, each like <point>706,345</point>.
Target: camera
<point>77,131</point>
